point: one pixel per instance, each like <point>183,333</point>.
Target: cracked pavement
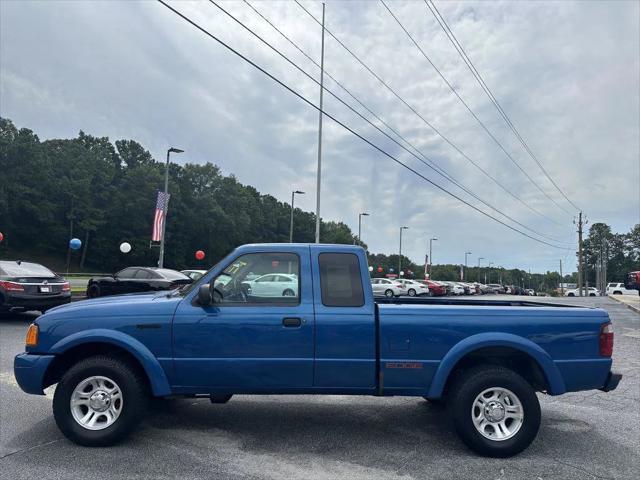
<point>583,435</point>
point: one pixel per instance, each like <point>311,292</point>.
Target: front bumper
<point>613,379</point>
<point>30,370</point>
<point>36,302</point>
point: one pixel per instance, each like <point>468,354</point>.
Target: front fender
<point>497,339</point>
<point>153,369</point>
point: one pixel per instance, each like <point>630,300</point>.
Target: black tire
<point>288,293</point>
<point>135,397</point>
<point>571,295</point>
<point>388,293</point>
<point>463,394</point>
<point>592,294</point>
<point>93,291</point>
<point>411,292</point>
<point>617,293</point>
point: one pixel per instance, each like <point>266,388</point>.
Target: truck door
<point>252,338</point>
<point>345,321</point>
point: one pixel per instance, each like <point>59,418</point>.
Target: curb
<point>628,305</point>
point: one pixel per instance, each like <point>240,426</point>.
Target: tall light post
<point>320,113</point>
<point>166,205</point>
<point>431,240</point>
<point>479,258</point>
<point>465,263</point>
<point>400,251</point>
<point>490,263</point>
<point>360,215</point>
<point>293,194</point>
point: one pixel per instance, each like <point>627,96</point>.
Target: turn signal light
<point>32,336</point>
<point>606,340</point>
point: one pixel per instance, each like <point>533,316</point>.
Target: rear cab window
<point>340,280</point>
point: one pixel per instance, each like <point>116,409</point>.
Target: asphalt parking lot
<point>583,435</point>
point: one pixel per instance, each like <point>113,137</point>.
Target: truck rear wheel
<point>496,412</point>
<point>99,401</point>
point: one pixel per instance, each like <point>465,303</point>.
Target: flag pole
<point>166,205</point>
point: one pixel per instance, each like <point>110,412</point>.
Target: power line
<point>431,164</point>
<point>480,122</point>
<point>440,134</point>
<point>350,130</point>
<point>452,38</point>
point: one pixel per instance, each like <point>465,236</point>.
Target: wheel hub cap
<point>494,411</point>
<point>100,401</point>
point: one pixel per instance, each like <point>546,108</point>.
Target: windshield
<point>170,274</point>
<point>24,269</point>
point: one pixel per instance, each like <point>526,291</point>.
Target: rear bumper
<point>35,302</point>
<point>30,370</point>
<point>613,379</point>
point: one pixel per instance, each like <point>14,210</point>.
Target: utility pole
<point>465,264</point>
<point>400,251</point>
<point>296,192</point>
<point>479,258</point>
<point>561,280</point>
<point>431,240</point>
<point>319,174</point>
<point>580,258</point>
<point>360,215</point>
<point>166,205</point>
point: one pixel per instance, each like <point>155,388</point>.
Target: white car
<point>591,292</point>
<point>194,274</point>
<point>456,288</point>
<point>620,289</point>
<point>415,288</point>
<point>274,285</point>
<point>388,288</point>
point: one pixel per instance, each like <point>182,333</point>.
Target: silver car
<point>387,287</point>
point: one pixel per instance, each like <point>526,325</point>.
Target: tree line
<point>104,193</point>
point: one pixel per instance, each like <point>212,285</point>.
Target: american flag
<point>159,216</point>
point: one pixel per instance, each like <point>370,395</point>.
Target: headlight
<point>32,336</point>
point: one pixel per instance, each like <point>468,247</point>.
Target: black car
<point>30,286</point>
<point>136,279</point>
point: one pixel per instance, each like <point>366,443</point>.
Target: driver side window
<point>260,278</point>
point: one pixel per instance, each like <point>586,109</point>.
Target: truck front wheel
<point>496,412</point>
<point>99,401</point>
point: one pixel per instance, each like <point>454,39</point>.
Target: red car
<point>435,289</point>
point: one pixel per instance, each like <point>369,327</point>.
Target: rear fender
<point>497,339</point>
<point>153,369</point>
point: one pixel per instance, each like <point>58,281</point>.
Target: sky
<point>566,73</point>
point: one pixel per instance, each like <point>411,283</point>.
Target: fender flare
<point>154,371</point>
<point>497,339</point>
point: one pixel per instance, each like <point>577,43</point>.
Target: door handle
<point>291,322</point>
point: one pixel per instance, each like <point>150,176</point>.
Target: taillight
<point>66,287</point>
<point>606,340</point>
<point>11,286</point>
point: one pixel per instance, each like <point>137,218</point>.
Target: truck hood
<point>147,302</point>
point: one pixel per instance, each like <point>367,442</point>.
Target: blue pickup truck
<point>302,319</point>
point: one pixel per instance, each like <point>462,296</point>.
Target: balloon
<point>379,269</point>
<point>1,236</point>
<point>125,247</point>
<point>401,273</point>
<point>371,269</point>
<point>199,255</point>
<point>391,270</point>
<point>75,244</point>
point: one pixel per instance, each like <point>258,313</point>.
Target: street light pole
<point>490,263</point>
<point>319,172</point>
<point>465,263</point>
<point>166,205</point>
<point>298,192</point>
<point>360,215</point>
<point>400,251</point>
<point>479,258</point>
<point>431,240</point>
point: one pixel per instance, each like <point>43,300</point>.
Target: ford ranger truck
<point>302,319</point>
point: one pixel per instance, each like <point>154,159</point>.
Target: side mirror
<point>204,295</point>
